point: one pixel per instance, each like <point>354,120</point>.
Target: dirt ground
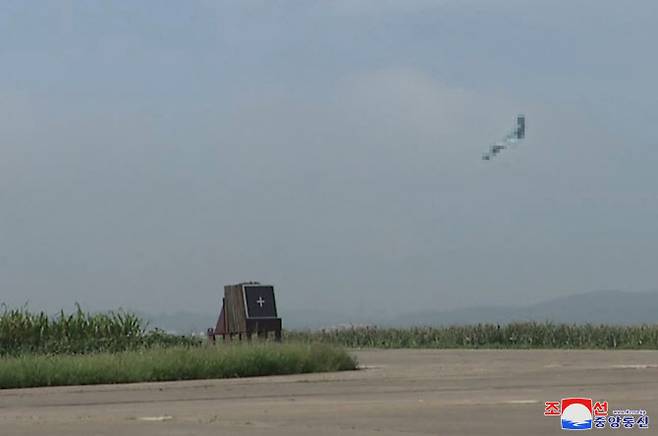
<point>398,392</point>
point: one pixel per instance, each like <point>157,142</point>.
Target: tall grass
<point>513,335</point>
<point>174,363</point>
<point>22,331</point>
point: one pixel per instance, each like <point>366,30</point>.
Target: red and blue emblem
<point>576,414</point>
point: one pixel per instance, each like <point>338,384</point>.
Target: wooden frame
<point>234,320</point>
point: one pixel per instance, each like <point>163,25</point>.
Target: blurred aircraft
<point>512,138</point>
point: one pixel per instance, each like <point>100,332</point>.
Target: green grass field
<point>118,347</point>
<point>172,363</point>
<point>22,331</point>
<point>513,335</point>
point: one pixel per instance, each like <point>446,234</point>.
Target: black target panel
<point>259,301</point>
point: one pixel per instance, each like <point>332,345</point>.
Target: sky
<point>152,152</point>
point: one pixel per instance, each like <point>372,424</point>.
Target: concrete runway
<point>399,392</point>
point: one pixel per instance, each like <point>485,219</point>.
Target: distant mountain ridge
<point>181,322</point>
<point>598,307</point>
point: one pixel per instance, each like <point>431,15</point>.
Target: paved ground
<point>400,392</point>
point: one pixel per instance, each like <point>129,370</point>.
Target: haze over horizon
<point>153,152</point>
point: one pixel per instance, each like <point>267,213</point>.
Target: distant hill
<point>600,307</point>
<point>180,322</point>
<point>314,319</point>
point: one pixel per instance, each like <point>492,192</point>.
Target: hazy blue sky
<point>153,151</point>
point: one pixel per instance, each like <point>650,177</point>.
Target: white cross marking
<point>260,302</point>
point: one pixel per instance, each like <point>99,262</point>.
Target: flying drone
<point>512,138</point>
